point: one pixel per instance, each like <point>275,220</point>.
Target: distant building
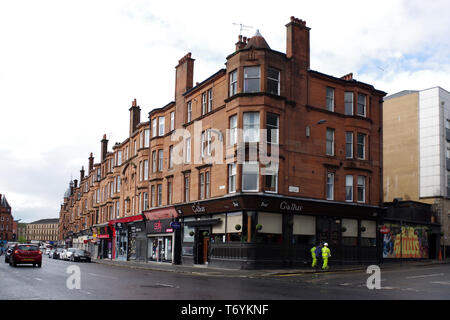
<point>416,150</point>
<point>6,220</point>
<point>21,230</point>
<point>44,230</point>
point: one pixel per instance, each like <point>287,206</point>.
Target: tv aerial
<point>242,27</point>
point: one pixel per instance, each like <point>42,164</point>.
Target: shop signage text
<point>284,205</point>
<point>175,225</point>
<point>196,208</point>
<point>157,226</point>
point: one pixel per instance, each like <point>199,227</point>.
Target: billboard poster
<point>405,242</point>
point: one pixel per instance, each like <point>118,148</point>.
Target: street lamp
<point>308,128</point>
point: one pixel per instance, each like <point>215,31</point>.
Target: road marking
<point>441,282</point>
<point>165,285</point>
<point>426,275</point>
<point>38,279</point>
<point>100,275</point>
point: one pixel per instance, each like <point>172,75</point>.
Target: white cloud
<point>69,70</point>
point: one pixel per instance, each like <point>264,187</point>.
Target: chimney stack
<point>135,117</point>
<point>347,77</point>
<point>91,162</point>
<point>104,142</point>
<point>297,42</point>
<point>81,174</point>
<point>240,44</point>
<point>184,74</point>
<point>75,183</point>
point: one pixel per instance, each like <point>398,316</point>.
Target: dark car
<point>80,255</point>
<point>26,254</point>
<point>8,253</point>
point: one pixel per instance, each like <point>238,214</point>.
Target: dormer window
<point>251,79</point>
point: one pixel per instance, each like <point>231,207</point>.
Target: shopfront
<point>408,231</point>
<point>104,242</point>
<point>163,235</point>
<point>161,239</point>
<point>250,231</point>
<point>124,237</point>
<point>137,241</point>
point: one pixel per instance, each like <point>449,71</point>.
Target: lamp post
<point>308,128</point>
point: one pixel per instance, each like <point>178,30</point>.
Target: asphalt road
<point>107,282</point>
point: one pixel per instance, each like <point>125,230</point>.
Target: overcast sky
<point>69,70</point>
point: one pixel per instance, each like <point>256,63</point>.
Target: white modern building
<point>416,150</point>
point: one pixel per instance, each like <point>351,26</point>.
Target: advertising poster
<point>405,242</point>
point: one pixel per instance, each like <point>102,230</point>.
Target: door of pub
<point>329,230</point>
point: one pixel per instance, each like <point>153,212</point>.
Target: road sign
<point>385,230</point>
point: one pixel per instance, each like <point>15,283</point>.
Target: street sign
<point>385,230</point>
<point>175,224</point>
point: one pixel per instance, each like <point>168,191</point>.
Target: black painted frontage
<point>261,231</point>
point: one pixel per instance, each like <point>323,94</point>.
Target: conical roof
<point>3,202</point>
<point>257,42</point>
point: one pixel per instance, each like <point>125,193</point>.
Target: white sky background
<point>69,70</point>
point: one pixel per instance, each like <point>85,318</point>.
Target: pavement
<point>214,271</point>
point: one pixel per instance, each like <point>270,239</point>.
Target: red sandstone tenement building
<point>6,221</point>
<point>247,168</point>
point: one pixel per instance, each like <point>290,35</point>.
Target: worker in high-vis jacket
<point>326,253</point>
<point>314,257</point>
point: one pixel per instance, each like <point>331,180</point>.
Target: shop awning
<point>205,222</point>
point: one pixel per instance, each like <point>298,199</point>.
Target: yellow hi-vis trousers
<point>325,263</point>
<point>314,263</point>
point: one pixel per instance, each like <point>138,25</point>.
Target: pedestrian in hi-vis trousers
<point>315,254</point>
<point>326,253</point>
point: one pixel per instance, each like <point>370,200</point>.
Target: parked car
<point>68,253</point>
<point>80,255</point>
<point>56,253</point>
<point>51,252</point>
<point>26,254</point>
<point>62,254</point>
<point>47,251</point>
<point>8,253</point>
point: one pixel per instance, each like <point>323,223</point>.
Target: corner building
<point>252,166</point>
<point>239,203</point>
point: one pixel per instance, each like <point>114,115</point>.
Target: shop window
<point>271,231</point>
<point>350,232</point>
<point>368,233</point>
<point>187,237</point>
<point>304,230</point>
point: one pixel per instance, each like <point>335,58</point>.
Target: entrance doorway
<point>202,246</point>
<point>329,230</point>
